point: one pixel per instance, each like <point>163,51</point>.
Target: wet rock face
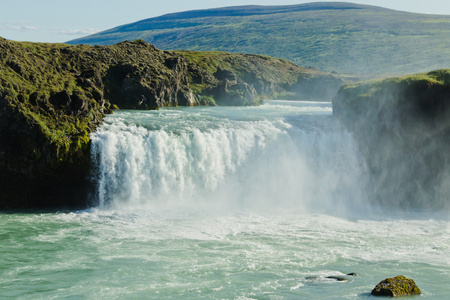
<point>234,91</point>
<point>396,287</point>
<point>402,126</point>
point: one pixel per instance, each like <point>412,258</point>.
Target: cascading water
<point>283,155</point>
<point>224,203</point>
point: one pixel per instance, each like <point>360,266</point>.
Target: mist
<point>231,160</point>
<point>383,156</point>
<point>402,128</point>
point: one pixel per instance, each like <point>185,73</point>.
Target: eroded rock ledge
<point>52,96</point>
<point>403,128</point>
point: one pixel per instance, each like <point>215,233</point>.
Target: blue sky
<point>63,20</point>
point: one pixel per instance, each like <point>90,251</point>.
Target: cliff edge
<point>403,128</point>
<point>52,96</point>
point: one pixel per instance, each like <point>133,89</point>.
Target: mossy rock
<point>396,287</point>
<point>246,79</point>
<point>52,96</point>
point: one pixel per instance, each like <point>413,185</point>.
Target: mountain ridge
<point>339,36</point>
<point>238,10</point>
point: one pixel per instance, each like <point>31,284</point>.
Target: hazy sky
<point>63,20</point>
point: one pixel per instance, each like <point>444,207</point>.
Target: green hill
<point>341,37</point>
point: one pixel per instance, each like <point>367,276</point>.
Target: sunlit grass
<point>352,41</point>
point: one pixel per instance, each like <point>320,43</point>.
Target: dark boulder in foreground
<point>396,287</point>
<point>402,126</point>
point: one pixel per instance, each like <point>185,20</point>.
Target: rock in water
<point>340,277</point>
<point>396,287</point>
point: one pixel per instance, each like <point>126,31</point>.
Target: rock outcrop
<point>399,286</point>
<point>52,96</point>
<point>245,79</point>
<point>403,128</point>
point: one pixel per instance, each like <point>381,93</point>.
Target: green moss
<point>271,78</point>
<point>245,65</point>
<point>355,94</point>
<point>396,287</point>
<point>207,100</point>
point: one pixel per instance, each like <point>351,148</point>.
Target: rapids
<point>224,203</point>
<point>282,155</point>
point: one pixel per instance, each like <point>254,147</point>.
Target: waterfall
<point>283,157</point>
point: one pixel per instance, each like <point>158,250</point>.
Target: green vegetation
<point>421,90</point>
<point>342,37</point>
<point>52,96</point>
<point>31,82</point>
<point>231,78</point>
<point>243,65</point>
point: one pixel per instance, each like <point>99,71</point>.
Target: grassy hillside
<point>341,37</point>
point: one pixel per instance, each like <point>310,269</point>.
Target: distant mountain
<point>341,37</point>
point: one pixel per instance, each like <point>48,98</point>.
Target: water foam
<point>228,159</point>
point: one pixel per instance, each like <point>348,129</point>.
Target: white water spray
<point>284,157</point>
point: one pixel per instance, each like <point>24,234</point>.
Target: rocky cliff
<point>243,79</point>
<point>403,129</point>
<point>52,96</point>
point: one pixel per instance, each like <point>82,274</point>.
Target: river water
<point>224,203</point>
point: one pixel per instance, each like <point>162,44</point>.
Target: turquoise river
<point>224,203</point>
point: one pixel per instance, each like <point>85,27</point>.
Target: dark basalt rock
<point>396,287</point>
<point>343,277</point>
<point>222,74</point>
<point>340,277</point>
